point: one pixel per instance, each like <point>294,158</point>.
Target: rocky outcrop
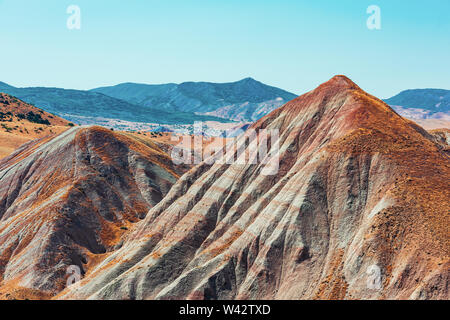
<point>69,201</point>
<point>442,137</point>
<point>358,209</point>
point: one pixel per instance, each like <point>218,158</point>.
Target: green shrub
<point>36,118</point>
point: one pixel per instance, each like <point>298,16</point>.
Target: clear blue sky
<point>294,45</point>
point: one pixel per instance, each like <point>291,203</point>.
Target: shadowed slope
<point>68,201</point>
<point>357,187</point>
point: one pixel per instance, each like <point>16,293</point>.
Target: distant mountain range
<point>422,104</point>
<point>74,105</point>
<point>246,100</point>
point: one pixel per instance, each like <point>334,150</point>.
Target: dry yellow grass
<point>24,132</point>
<point>16,129</point>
